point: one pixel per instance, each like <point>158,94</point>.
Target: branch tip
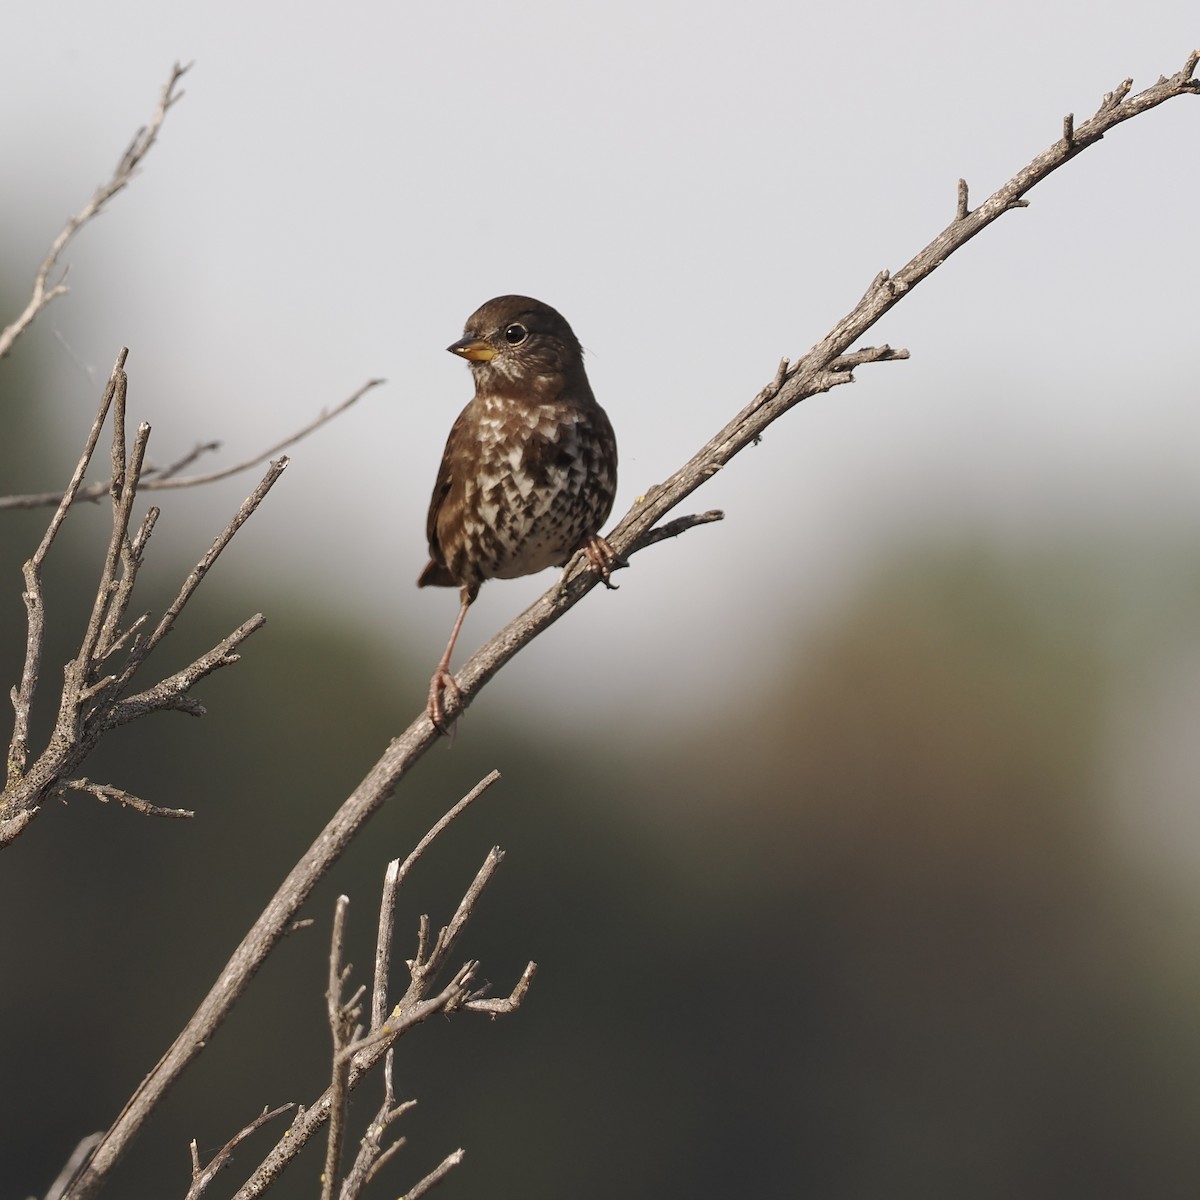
<point>42,295</point>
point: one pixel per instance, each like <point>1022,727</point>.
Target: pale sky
<point>700,189</point>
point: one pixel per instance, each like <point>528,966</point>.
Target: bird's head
<point>519,340</point>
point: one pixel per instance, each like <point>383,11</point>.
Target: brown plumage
<point>529,472</point>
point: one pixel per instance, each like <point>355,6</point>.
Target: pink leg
<point>442,680</point>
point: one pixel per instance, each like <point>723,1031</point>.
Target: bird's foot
<point>440,685</point>
<point>602,558</point>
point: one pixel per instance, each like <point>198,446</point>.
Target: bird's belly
<point>540,485</point>
<point>522,533</point>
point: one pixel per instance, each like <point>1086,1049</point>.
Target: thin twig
<point>164,478</point>
<point>789,387</point>
<point>198,572</point>
<point>342,1018</point>
<point>203,1176</point>
<point>326,415</point>
<point>137,150</point>
<point>436,1175</point>
<point>22,697</point>
<point>372,1154</point>
<point>395,875</point>
<point>501,1006</point>
<point>108,593</point>
<point>172,692</point>
<point>448,937</point>
<point>105,792</point>
<point>680,525</point>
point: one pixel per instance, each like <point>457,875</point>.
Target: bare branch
<point>868,354</point>
<point>447,939</point>
<point>790,386</point>
<point>196,577</point>
<point>172,692</point>
<point>105,792</point>
<point>343,1018</point>
<point>164,478</point>
<point>372,1154</point>
<point>395,875</point>
<point>137,150</point>
<point>203,1176</point>
<point>22,696</point>
<point>92,702</point>
<point>436,1175</point>
<point>323,418</point>
<point>354,1059</point>
<point>503,1005</point>
<point>108,593</point>
<point>672,529</point>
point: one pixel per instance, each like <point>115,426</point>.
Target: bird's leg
<point>442,679</point>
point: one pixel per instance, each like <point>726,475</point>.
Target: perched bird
<point>529,472</point>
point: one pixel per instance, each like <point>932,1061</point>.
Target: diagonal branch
<point>436,1175</point>
<point>137,150</point>
<point>818,370</point>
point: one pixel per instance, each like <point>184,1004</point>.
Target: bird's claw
<point>441,683</point>
<point>602,558</point>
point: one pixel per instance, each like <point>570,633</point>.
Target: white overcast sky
<point>701,189</point>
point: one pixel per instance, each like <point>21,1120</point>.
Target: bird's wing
<point>435,573</point>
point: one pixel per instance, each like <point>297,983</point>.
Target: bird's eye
<point>514,335</point>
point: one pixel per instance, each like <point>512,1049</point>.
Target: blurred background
<point>856,836</point>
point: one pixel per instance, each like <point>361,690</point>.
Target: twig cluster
<point>357,1051</point>
<point>828,364</point>
<point>98,683</point>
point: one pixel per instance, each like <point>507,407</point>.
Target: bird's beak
<point>473,349</point>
